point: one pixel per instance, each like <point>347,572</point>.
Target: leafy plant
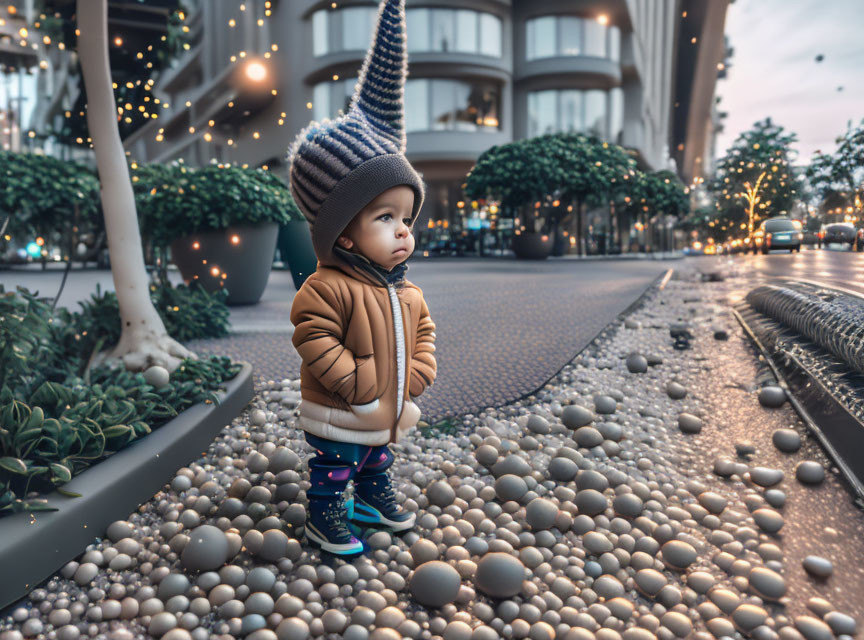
<point>188,312</point>
<point>56,419</point>
<point>47,197</point>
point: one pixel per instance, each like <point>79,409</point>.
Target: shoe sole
<point>376,517</point>
<point>348,549</point>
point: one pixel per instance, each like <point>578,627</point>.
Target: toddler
<point>363,332</point>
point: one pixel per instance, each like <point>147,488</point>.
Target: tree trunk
<point>144,342</point>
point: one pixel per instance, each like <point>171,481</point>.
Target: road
<point>831,267</point>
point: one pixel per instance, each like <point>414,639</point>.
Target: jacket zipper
<point>399,331</point>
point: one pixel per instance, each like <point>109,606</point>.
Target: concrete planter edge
<point>35,546</point>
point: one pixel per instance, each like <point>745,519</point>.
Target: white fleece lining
<point>365,408</point>
<point>399,329</point>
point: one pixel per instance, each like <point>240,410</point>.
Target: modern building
<point>639,73</point>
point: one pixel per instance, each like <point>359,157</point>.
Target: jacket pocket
<point>366,380</point>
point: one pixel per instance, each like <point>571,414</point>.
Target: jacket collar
<point>360,267</point>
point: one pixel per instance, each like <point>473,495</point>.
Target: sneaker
<point>327,527</point>
<point>374,502</point>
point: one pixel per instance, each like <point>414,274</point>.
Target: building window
<point>454,30</point>
<point>595,112</point>
<point>451,105</point>
<point>431,104</point>
<point>552,36</point>
<point>329,97</point>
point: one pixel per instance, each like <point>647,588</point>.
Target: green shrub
<point>189,313</point>
<point>57,418</point>
<point>176,200</point>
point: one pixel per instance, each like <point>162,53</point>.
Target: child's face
<point>380,231</point>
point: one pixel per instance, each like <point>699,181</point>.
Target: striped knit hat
<point>339,166</point>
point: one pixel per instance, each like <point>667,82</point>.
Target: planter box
<point>238,258</point>
<point>532,246</point>
<point>35,546</point>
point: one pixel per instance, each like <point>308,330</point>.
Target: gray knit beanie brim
<point>354,192</point>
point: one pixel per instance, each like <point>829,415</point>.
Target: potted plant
<point>220,222</point>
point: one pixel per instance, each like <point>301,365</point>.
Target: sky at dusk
<point>774,72</point>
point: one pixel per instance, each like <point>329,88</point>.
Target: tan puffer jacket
<point>353,335</point>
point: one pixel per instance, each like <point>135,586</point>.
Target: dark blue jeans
<point>337,463</point>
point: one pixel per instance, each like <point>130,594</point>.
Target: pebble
<point>207,549</point>
<point>688,423</point>
<point>766,477</point>
<point>678,555</point>
<point>435,584</point>
<point>500,575</point>
<point>840,623</point>
<point>809,472</point>
<point>574,416</point>
<point>786,440</point>
<point>768,520</point>
<point>818,566</point>
<point>772,396</point>
<point>637,363</point>
<point>813,628</point>
<point>768,584</point>
<point>676,391</point>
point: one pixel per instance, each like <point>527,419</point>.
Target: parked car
<point>838,232</point>
<point>779,233</point>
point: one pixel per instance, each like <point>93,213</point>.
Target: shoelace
<point>333,516</point>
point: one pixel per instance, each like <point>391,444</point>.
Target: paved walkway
<point>503,327</point>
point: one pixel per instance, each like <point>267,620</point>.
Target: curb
<point>822,407</point>
<point>33,546</point>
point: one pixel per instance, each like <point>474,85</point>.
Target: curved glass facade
<point>593,111</point>
<point>431,104</point>
<point>429,29</point>
<point>553,36</point>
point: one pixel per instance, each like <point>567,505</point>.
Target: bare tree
<point>144,341</point>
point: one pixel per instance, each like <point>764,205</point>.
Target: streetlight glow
<point>256,71</point>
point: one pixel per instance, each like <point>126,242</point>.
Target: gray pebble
<point>818,566</point>
<point>688,423</point>
<point>786,440</point>
<point>207,549</point>
<point>765,476</point>
<point>510,487</point>
<point>809,472</point>
<point>292,629</point>
<point>772,396</point>
<point>676,391</point>
<point>769,584</point>
<point>435,584</point>
<point>605,405</point>
<point>161,623</point>
<point>841,623</point>
<point>637,363</point>
<point>768,520</point>
<point>573,416</point>
<point>500,575</point>
<point>813,628</point>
